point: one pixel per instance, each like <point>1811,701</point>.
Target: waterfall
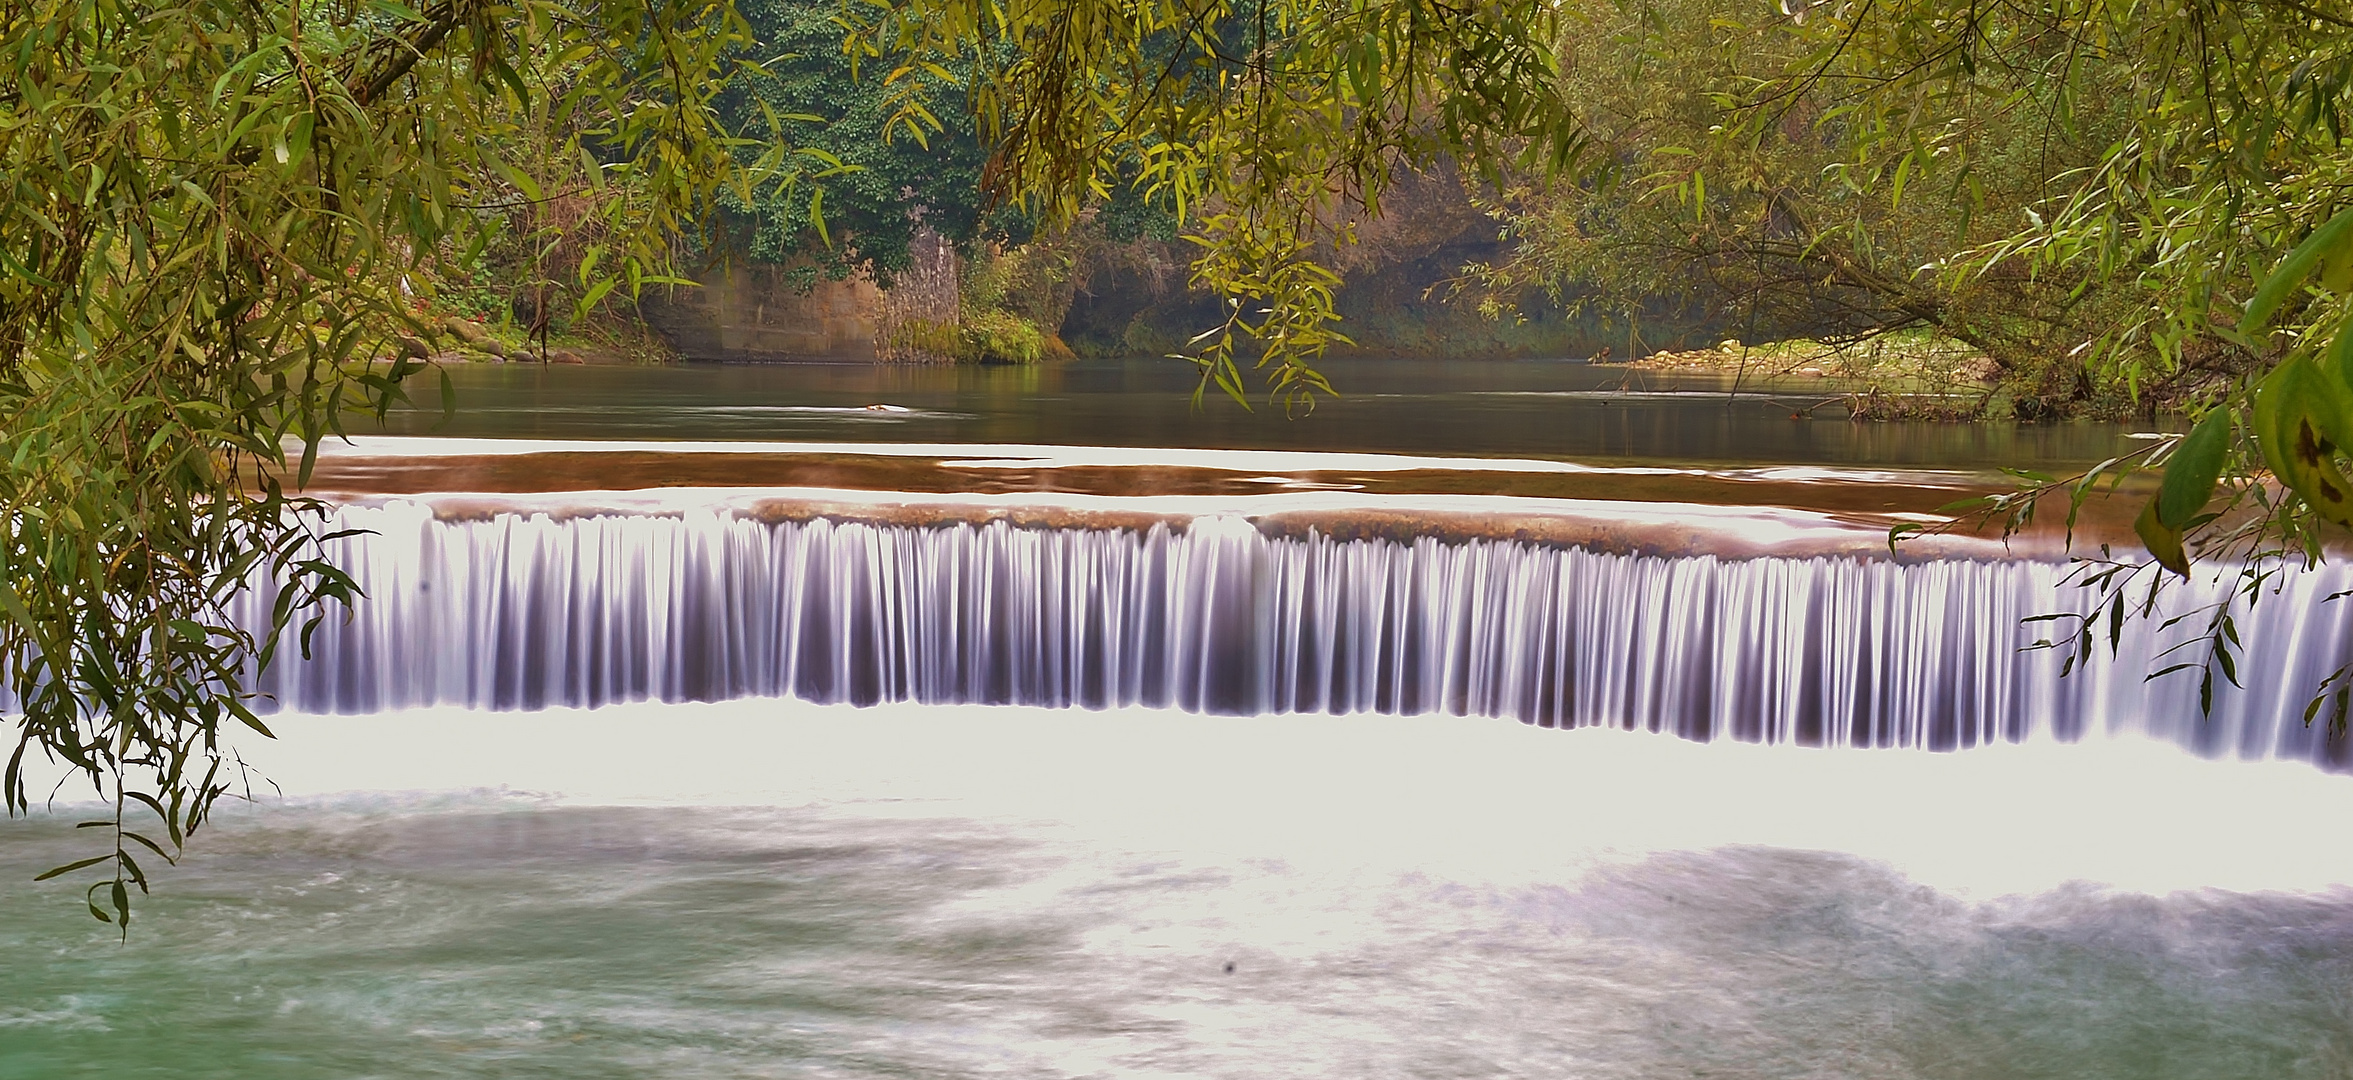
<point>526,611</point>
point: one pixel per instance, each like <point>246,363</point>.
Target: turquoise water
<point>480,940</point>
<point>1015,893</point>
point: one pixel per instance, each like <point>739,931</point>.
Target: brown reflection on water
<point>1864,500</point>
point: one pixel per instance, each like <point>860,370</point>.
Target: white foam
<point>1049,456</point>
<point>1465,798</point>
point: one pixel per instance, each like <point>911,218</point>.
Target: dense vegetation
<point>883,188</point>
<point>2084,192</point>
<point>213,217</point>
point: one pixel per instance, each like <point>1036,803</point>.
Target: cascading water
<point>526,611</point>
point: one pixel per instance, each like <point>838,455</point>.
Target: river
<point>883,783</point>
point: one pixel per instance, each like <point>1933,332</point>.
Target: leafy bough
<point>221,227</point>
<point>2255,490</point>
<point>1269,127</point>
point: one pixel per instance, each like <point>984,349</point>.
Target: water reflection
<point>1552,409</point>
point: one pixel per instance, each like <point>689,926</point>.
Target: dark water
<point>1543,409</point>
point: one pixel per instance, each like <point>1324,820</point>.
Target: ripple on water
<point>917,895</point>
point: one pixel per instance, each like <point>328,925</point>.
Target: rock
<point>565,356</point>
<point>761,312</point>
<point>466,330</point>
<point>491,345</point>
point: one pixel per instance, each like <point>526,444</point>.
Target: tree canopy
<point>878,189</point>
<point>1267,126</point>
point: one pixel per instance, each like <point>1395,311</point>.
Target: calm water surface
<point>1544,409</point>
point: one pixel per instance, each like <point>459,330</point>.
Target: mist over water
<point>765,887</point>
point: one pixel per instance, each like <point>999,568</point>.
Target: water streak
<point>532,611</point>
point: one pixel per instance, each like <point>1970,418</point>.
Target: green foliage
<point>876,190</point>
<point>2220,208</point>
<point>217,221</point>
<point>991,335</point>
<point>1000,335</point>
<point>2196,466</point>
<point>1002,305</point>
<point>1128,215</point>
<point>2228,153</point>
<point>1761,171</point>
<point>994,284</point>
<point>1264,127</point>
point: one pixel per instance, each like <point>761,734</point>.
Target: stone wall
<point>753,312</point>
